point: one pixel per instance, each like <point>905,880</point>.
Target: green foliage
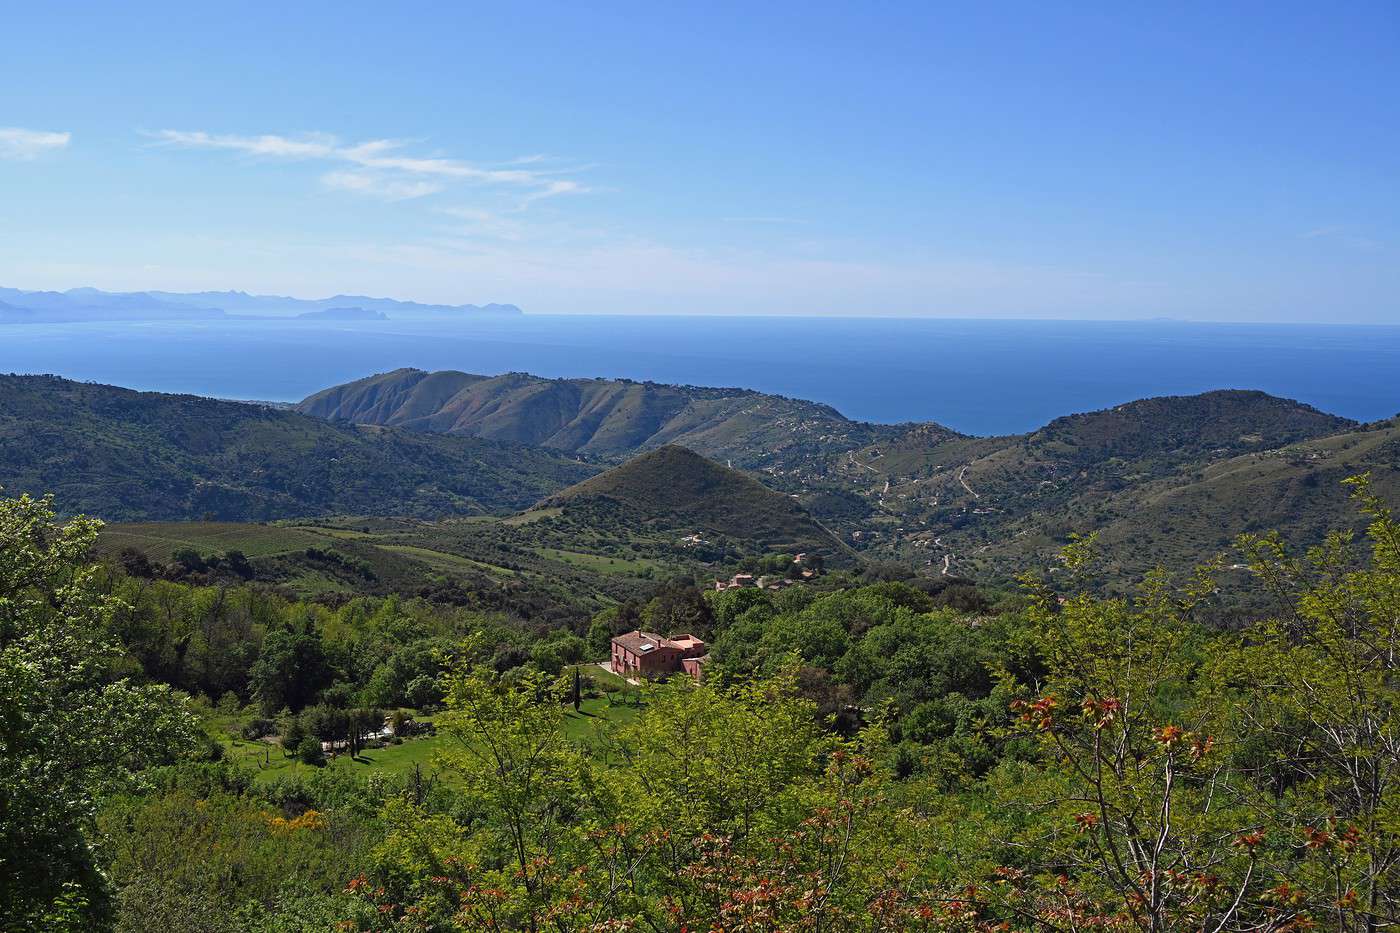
<point>291,669</point>
<point>863,759</point>
<point>70,728</point>
<point>517,769</point>
<point>210,863</point>
<point>309,751</point>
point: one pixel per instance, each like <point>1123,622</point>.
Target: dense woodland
<point>870,754</point>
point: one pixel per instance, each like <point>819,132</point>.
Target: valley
<point>931,498</point>
<point>483,482</point>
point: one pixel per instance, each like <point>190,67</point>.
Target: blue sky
<point>1209,161</point>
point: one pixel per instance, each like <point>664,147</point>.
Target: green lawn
<point>268,762</point>
<point>606,677</point>
<point>599,714</point>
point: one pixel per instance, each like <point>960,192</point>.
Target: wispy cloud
<point>1338,233</point>
<point>775,221</point>
<point>376,186</point>
<point>23,145</point>
<point>384,165</point>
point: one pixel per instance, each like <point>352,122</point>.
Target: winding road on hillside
<point>961,474</point>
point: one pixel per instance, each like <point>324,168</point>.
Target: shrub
<point>310,752</point>
<point>257,728</point>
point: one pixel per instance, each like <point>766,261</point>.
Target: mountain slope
<point>1167,480</point>
<point>610,418</point>
<point>678,490</point>
<point>1296,490</point>
<point>142,456</point>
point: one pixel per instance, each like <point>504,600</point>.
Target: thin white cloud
<point>376,186</point>
<point>277,147</point>
<point>1344,235</point>
<point>553,189</point>
<point>384,156</point>
<point>775,221</point>
<point>23,145</point>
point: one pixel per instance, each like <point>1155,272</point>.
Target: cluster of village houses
<point>768,581</point>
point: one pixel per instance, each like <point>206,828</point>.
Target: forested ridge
<point>862,754</point>
<point>149,456</point>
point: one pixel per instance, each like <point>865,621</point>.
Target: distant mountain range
<point>91,304</point>
<point>276,304</point>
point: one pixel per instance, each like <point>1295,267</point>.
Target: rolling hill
<point>1188,516</point>
<point>607,418</point>
<point>922,493</point>
<point>677,491</point>
<point>1163,480</point>
<point>143,456</point>
<point>1167,480</point>
<point>594,544</point>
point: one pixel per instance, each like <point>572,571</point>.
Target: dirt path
<point>859,464</point>
<point>961,474</point>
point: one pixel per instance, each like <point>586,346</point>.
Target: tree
<point>309,751</point>
<point>678,607</point>
<point>293,734</point>
<point>1197,780</point>
<point>70,730</point>
<point>1317,689</point>
<point>290,671</point>
<point>520,770</point>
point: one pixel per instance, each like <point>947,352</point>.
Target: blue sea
<point>980,377</point>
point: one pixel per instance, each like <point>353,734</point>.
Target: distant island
<point>18,306</point>
<point>343,314</point>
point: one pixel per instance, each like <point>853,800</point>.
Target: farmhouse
<point>647,654</point>
<point>736,582</point>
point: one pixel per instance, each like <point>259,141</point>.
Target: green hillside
<point>915,493</point>
<point>992,506</point>
<point>131,456</point>
<point>677,490</point>
<point>1182,513</point>
<point>1296,490</point>
<point>610,418</point>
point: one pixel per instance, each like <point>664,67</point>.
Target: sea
<point>983,377</point>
